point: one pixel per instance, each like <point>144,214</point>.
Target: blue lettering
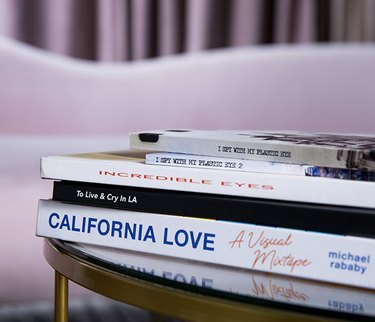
<point>195,242</point>
<point>74,228</point>
<point>140,232</point>
<point>84,224</point>
<point>130,231</point>
<point>104,223</point>
<point>103,227</point>
<point>180,278</point>
<point>151,271</point>
<point>91,224</point>
<point>184,235</point>
<point>207,282</point>
<point>149,234</point>
<point>346,306</point>
<point>65,222</point>
<point>51,224</point>
<point>167,275</point>
<point>116,227</point>
<point>193,281</point>
<point>182,238</point>
<point>207,241</point>
<point>165,241</point>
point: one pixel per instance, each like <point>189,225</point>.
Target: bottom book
<point>318,256</point>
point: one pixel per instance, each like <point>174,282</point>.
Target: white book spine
<point>317,256</point>
<point>325,150</point>
<point>245,184</point>
<point>207,162</point>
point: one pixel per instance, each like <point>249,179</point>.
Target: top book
<point>346,151</point>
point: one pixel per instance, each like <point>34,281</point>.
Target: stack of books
<point>292,203</point>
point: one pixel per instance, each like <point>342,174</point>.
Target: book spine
<point>322,218</point>
<point>317,256</point>
<point>234,183</point>
<point>253,150</point>
<point>207,162</point>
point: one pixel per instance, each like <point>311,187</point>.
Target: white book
<point>317,149</point>
<point>129,169</point>
<point>247,283</point>
<point>208,162</point>
<point>317,256</point>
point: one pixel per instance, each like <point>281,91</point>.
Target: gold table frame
<point>160,299</point>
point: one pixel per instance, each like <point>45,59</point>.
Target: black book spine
<point>304,216</point>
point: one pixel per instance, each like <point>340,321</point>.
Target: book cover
<point>129,169</point>
<point>245,285</point>
<point>317,149</point>
<point>306,216</point>
<point>317,256</point>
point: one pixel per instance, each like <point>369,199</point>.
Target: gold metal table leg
<point>61,298</point>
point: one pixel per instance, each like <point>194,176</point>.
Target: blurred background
<point>168,63</point>
<point>127,30</point>
<point>78,75</point>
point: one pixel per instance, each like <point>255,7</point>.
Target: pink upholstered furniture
<point>306,87</point>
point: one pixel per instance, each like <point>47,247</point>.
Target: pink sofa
<point>315,88</point>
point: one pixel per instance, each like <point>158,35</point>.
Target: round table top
<point>197,291</point>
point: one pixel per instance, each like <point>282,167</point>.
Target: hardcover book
<point>209,162</point>
<point>128,168</point>
<point>318,149</point>
<point>306,216</point>
<point>317,256</point>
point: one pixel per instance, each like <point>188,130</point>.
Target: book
<point>244,285</point>
<point>317,149</point>
<point>208,162</point>
<point>314,217</point>
<point>220,163</point>
<point>317,256</point>
<point>128,168</point>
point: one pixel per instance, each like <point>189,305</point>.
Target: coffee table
<point>196,291</point>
